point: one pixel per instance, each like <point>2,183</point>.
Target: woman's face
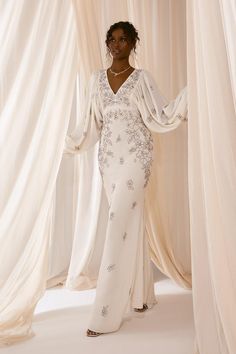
<point>119,44</point>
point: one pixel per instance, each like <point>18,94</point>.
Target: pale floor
<point>61,318</point>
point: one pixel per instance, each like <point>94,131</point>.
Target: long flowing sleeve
<point>87,132</point>
<point>159,115</point>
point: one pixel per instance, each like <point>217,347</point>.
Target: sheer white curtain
<point>162,26</point>
<point>38,64</point>
<point>212,171</point>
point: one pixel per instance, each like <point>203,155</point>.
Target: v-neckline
<point>115,93</point>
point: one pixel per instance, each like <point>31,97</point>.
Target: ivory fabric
<point>122,122</point>
<point>162,29</point>
<point>212,172</point>
<point>37,77</point>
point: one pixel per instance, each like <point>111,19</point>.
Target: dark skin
<point>120,47</point>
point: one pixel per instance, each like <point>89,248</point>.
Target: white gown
<point>122,122</point>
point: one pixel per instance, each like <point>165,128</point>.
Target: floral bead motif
<point>110,153</point>
<point>104,311</point>
<point>111,216</point>
<point>106,144</point>
<point>124,236</point>
<point>130,184</point>
<point>153,110</point>
<point>122,161</point>
<point>133,149</point>
<point>111,267</point>
<point>181,117</point>
<point>123,122</point>
<point>118,139</point>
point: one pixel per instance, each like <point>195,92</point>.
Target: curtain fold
<point>212,172</point>
<point>162,27</point>
<point>38,70</point>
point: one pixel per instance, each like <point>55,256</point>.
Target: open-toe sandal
<point>92,333</point>
<point>145,307</point>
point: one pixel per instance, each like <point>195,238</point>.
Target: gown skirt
<point>125,276</point>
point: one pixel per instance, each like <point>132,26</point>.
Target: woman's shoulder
<point>94,77</point>
<point>146,78</point>
<point>146,73</point>
<point>96,73</point>
<point>99,71</point>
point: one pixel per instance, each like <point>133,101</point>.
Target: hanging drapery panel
<point>38,63</point>
<point>212,171</point>
<point>88,235</point>
<point>162,27</point>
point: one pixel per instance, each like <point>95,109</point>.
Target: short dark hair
<point>128,29</point>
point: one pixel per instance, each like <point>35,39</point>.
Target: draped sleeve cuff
<point>157,114</point>
<point>177,109</point>
<point>87,132</point>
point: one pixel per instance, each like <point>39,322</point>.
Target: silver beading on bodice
<point>125,140</point>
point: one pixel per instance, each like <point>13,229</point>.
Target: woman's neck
<point>119,65</point>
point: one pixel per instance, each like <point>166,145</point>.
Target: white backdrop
<point>212,171</point>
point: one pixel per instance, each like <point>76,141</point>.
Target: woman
<point>123,107</point>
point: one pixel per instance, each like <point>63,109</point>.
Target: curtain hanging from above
<point>38,71</point>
